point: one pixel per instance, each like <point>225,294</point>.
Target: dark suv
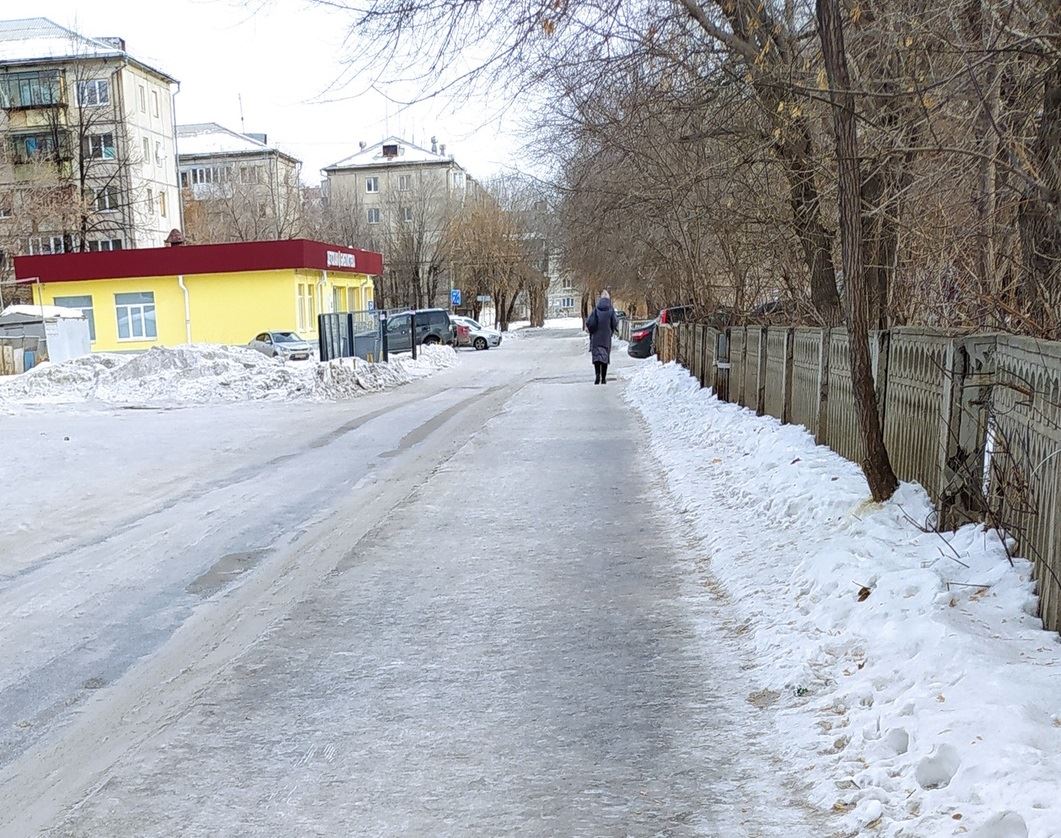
<point>433,326</point>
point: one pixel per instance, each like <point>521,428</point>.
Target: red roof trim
<point>187,260</point>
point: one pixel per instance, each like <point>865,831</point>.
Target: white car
<point>478,336</point>
<point>286,346</point>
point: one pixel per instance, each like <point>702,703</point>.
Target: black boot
<point>603,373</point>
<point>596,369</point>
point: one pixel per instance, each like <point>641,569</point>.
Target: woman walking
<point>601,324</point>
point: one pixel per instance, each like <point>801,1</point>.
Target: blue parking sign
<point>455,297</point>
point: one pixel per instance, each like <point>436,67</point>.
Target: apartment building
<point>87,143</point>
<point>236,187</point>
<point>400,197</point>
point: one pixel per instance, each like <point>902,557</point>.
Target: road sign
<point>483,298</point>
<point>455,297</point>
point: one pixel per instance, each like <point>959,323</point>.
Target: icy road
<point>457,608</point>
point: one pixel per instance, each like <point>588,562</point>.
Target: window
<point>263,209</point>
<point>372,184</point>
<point>154,103</point>
<point>5,207</point>
<point>405,182</point>
<point>303,307</point>
<point>30,147</point>
<point>151,201</point>
<point>567,302</point>
<point>158,152</point>
<point>147,151</point>
<point>100,146</point>
<point>105,244</point>
<point>339,299</point>
<point>85,305</point>
<point>250,174</point>
<point>106,199</point>
<point>41,245</point>
<point>31,90</point>
<point>136,316</point>
<point>374,215</point>
<point>186,179</point>
<point>93,93</point>
<point>143,99</point>
<point>407,213</point>
<point>162,203</point>
<point>458,180</point>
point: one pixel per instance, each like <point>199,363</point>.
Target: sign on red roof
<point>187,260</point>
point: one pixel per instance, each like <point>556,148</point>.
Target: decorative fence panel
<point>807,369</point>
<point>918,405</point>
<point>696,352</point>
<point>1025,456</point>
<point>776,394</point>
<point>753,357</point>
<point>842,426</point>
<point>710,350</point>
<point>736,365</point>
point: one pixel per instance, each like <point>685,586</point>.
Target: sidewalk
<point>524,648</point>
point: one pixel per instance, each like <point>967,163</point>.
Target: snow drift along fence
<point>975,419</point>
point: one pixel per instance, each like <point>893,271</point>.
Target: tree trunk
<point>1040,217</point>
<point>876,465</point>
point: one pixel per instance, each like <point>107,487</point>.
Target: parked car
<point>476,336</point>
<point>287,346</point>
<point>640,344</point>
<point>433,327</point>
<point>675,314</point>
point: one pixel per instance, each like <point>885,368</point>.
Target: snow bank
<point>917,692</point>
<point>200,374</point>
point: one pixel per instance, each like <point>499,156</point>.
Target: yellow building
<point>218,293</point>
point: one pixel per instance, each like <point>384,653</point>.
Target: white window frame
<point>155,109</point>
<point>143,99</point>
<point>140,310</point>
<point>36,247</point>
<point>375,215</point>
<point>103,245</point>
<point>96,143</point>
<point>162,208</point>
<point>158,153</point>
<point>147,151</point>
<point>372,185</point>
<point>407,214</point>
<point>150,201</point>
<point>109,202</point>
<point>458,180</point>
<point>405,183</point>
<point>100,90</point>
<point>88,311</point>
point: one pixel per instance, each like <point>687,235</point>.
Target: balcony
<point>40,90</point>
<point>41,148</point>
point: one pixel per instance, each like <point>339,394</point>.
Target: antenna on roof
<point>242,124</point>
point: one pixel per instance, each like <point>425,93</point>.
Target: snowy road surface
<point>458,608</point>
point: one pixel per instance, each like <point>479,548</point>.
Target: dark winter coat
<point>601,324</point>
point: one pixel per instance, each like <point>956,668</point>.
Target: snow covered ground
<point>205,374</point>
<point>912,682</point>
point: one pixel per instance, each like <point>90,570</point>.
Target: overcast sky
<point>282,60</point>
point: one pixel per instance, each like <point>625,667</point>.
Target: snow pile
<point>201,374</point>
<point>916,691</point>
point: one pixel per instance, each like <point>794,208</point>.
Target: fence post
<point>786,403</point>
<point>760,379</point>
<point>822,435</point>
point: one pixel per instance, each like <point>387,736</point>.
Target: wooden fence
<point>975,419</point>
